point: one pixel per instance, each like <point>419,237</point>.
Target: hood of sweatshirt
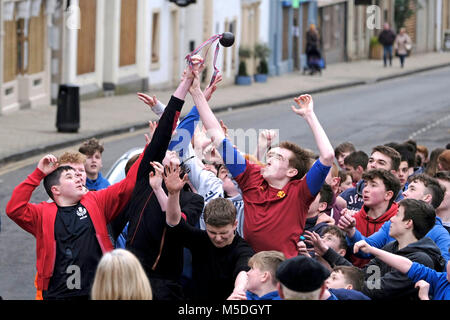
<point>425,245</point>
<point>367,225</point>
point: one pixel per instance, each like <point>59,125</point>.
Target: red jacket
<point>368,226</point>
<point>39,219</point>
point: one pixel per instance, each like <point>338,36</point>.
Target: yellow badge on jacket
<point>281,194</point>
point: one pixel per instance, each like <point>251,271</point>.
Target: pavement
<point>26,133</point>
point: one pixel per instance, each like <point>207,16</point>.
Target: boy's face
<point>221,236</point>
<point>332,241</point>
<point>228,185</point>
<point>79,170</point>
<point>398,226</point>
<point>314,206</point>
<point>255,277</point>
<point>277,166</point>
<point>379,160</point>
<point>355,174</point>
<point>375,193</point>
<point>404,172</point>
<point>416,190</point>
<point>336,280</point>
<point>70,186</point>
<point>340,159</point>
<point>348,183</point>
<point>93,163</point>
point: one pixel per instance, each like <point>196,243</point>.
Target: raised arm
<point>210,122</point>
<point>155,180</point>
<point>18,208</point>
<point>306,111</point>
<point>174,184</point>
<point>400,263</point>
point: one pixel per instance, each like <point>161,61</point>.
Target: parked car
<point>117,171</point>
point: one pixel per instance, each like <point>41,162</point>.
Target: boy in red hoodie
<point>379,194</point>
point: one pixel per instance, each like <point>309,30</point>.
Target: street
<point>417,106</point>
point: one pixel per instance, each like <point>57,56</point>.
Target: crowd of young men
<point>274,225</point>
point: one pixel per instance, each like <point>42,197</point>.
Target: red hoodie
<point>368,226</point>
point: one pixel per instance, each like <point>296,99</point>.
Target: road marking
<point>428,127</point>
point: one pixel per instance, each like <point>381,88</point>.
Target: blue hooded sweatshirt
<point>438,234</point>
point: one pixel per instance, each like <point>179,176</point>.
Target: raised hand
<point>302,249</point>
<point>48,164</point>
<point>319,245</point>
<point>155,178</point>
<point>363,246</point>
<point>150,101</point>
<point>212,88</point>
<point>424,288</point>
<point>224,128</point>
<point>152,128</point>
<point>347,222</point>
<point>306,105</point>
<point>172,179</point>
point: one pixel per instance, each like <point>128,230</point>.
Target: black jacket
<point>386,37</point>
<point>394,284</point>
<point>160,256</point>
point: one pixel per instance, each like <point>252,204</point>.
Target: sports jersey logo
<point>281,194</point>
<point>82,213</point>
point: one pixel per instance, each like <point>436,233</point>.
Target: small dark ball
<point>227,39</point>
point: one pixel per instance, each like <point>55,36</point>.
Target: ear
<point>280,291</point>
<point>335,181</point>
<point>235,224</point>
<point>322,206</point>
<point>292,172</point>
<point>349,287</point>
<point>388,195</point>
<point>342,252</point>
<point>427,198</point>
<point>55,190</point>
<point>409,224</point>
<point>360,169</point>
<point>266,276</point>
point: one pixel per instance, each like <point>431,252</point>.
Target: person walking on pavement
<point>402,45</point>
<point>387,38</point>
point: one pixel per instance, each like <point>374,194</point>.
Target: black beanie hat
<point>302,274</point>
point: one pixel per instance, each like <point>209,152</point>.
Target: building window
<point>155,40</point>
<point>128,30</point>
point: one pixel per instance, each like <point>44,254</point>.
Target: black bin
<point>68,113</point>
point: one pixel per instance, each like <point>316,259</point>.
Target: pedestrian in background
<point>387,38</point>
<point>402,45</point>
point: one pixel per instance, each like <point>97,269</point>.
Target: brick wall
<point>411,23</point>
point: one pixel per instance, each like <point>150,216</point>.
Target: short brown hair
<point>422,149</point>
<point>432,186</point>
<point>393,154</point>
<point>219,212</point>
<point>344,147</point>
<point>390,181</point>
<point>71,157</point>
<point>444,160</point>
<point>301,159</point>
<point>353,275</point>
<point>267,261</point>
<point>90,146</point>
<point>339,233</point>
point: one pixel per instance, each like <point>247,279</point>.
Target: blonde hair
<point>267,261</point>
<point>120,276</point>
<point>71,157</point>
